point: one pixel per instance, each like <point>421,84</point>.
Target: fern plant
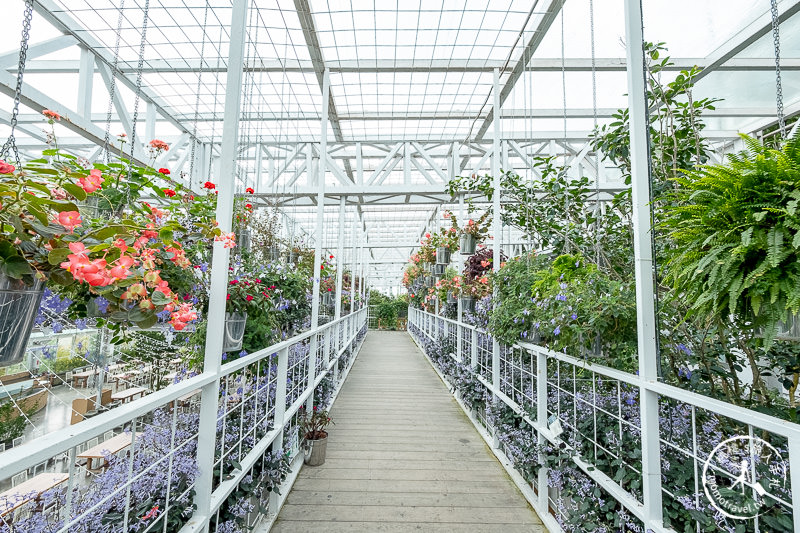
<point>735,230</point>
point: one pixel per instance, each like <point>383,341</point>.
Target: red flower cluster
<point>169,192</point>
<point>164,171</point>
<point>208,185</point>
<point>249,190</point>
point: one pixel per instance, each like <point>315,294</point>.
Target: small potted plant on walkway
<point>315,443</point>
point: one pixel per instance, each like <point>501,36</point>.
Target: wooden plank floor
<point>403,457</point>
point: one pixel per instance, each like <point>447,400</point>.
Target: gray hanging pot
<point>243,239</point>
<point>234,331</point>
<point>451,298</point>
<point>19,304</point>
<point>314,451</point>
<point>467,303</point>
<point>468,244</point>
<point>438,270</point>
<point>789,330</point>
<point>272,253</point>
<point>442,255</point>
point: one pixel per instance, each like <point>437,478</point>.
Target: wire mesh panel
<point>581,425</point>
<point>137,468</point>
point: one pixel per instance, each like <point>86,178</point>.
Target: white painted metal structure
<point>409,103</point>
<point>406,113</point>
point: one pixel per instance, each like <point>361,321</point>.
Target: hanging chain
<point>776,37</point>
<point>563,79</point>
<point>197,99</point>
<point>112,86</point>
<point>11,143</point>
<point>598,210</point>
<point>137,99</point>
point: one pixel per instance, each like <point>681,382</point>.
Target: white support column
<point>219,270</point>
<point>359,165</point>
<point>407,163</point>
<point>271,167</point>
<point>150,122</point>
<point>320,233</point>
<point>259,169</point>
<point>643,254</point>
<point>497,229</point>
<point>339,258</point>
<point>85,83</point>
<point>310,176</point>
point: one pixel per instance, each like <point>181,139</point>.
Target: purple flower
<point>557,330</point>
<point>102,304</point>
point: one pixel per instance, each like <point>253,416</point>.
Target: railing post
<point>541,420</point>
<point>312,368</point>
<point>473,356</point>
<point>280,413</point>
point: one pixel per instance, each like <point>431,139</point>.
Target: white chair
<point>22,477</point>
<point>41,468</point>
<point>18,441</point>
<point>108,435</point>
<point>68,378</point>
<point>2,447</point>
<point>22,513</point>
<point>91,443</point>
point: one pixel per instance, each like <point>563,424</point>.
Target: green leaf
<point>75,191</point>
<point>38,212</point>
<point>58,255</point>
<point>166,235</point>
<point>148,321</point>
<point>15,267</point>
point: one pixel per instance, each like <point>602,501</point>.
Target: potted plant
<point>734,242</point>
<point>315,437</point>
<point>474,232</point>
<point>244,294</point>
<point>445,241</point>
<point>47,239</point>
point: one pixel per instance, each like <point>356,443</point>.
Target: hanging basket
<point>243,239</point>
<point>442,255</point>
<point>468,244</point>
<point>19,304</point>
<point>438,270</point>
<point>234,331</point>
<point>451,298</point>
<point>430,281</point>
<point>272,253</point>
<point>467,303</point>
<point>789,330</point>
<point>327,298</point>
<point>426,267</point>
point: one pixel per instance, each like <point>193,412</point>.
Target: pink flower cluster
<point>228,240</point>
<point>95,272</point>
<point>92,182</point>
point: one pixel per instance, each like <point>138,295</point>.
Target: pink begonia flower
<point>6,168</point>
<point>69,219</point>
<point>228,240</point>
<point>92,182</point>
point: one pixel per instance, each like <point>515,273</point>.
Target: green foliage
<point>736,235</point>
<point>12,425</point>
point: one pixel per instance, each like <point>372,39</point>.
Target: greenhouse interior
<point>349,265</point>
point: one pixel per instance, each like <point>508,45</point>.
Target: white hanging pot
<point>234,331</point>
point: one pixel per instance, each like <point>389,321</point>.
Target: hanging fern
<point>735,231</point>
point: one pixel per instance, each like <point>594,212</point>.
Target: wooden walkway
<point>403,457</point>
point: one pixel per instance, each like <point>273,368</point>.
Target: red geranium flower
<point>164,171</point>
<point>52,115</point>
<point>249,190</point>
<point>208,185</point>
<point>169,192</point>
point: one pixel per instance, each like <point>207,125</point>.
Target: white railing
<point>149,484</point>
<point>543,386</point>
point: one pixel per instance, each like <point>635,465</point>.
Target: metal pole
<point>643,255</point>
<point>496,227</point>
<point>206,440</point>
<point>315,302</point>
<point>339,258</point>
